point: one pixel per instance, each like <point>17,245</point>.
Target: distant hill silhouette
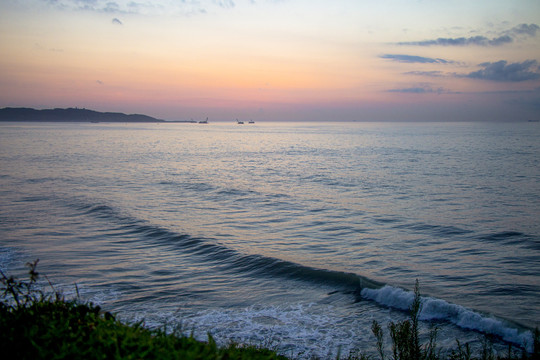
<point>70,115</point>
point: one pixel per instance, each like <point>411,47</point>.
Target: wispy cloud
<point>412,90</point>
<point>512,92</point>
<point>227,4</point>
<point>500,71</point>
<point>426,73</point>
<point>144,7</point>
<point>504,72</point>
<point>421,89</point>
<point>88,5</point>
<point>524,29</point>
<point>414,59</point>
<point>462,41</point>
<point>506,37</point>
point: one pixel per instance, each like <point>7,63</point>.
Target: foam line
<point>440,310</point>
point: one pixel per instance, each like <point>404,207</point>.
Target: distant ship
<point>251,122</point>
<point>204,121</point>
<point>239,122</point>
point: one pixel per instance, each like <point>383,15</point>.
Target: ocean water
<point>289,235</point>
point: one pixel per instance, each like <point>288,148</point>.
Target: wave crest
<point>440,310</point>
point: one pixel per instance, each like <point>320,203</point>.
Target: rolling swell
<point>229,260</point>
<point>434,230</point>
<point>257,266</point>
<point>512,238</point>
<point>252,265</point>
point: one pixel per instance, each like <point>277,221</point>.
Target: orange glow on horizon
<point>257,56</point>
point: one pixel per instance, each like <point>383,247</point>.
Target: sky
<point>283,60</point>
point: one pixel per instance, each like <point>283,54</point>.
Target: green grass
<point>36,326</point>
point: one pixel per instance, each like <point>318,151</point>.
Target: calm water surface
<point>290,235</point>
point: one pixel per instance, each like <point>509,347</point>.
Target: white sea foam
<point>437,309</point>
<point>299,330</point>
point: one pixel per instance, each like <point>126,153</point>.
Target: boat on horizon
<point>204,121</point>
<point>251,121</point>
<point>239,122</point>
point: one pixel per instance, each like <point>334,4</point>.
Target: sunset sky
<point>441,60</point>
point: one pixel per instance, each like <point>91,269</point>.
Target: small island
<point>71,115</point>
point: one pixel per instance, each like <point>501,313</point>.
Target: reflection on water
<point>246,224</point>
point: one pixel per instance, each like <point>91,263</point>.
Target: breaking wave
<point>440,310</point>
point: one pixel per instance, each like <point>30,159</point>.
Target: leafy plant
<point>405,335</point>
<point>33,326</point>
<point>22,292</point>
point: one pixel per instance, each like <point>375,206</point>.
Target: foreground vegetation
<point>406,343</point>
<point>36,326</point>
<point>33,326</point>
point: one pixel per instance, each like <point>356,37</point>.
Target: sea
<point>290,235</point>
